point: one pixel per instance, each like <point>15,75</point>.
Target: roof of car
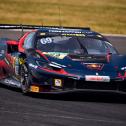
<point>69,31</point>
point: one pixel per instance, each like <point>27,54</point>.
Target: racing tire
<point>25,79</point>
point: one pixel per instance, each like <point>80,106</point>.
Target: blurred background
<point>105,16</point>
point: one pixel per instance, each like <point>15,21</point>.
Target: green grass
<point>106,16</point>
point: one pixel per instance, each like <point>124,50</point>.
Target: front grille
<point>96,85</point>
<point>73,84</point>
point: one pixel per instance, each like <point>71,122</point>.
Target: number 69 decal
<point>46,40</point>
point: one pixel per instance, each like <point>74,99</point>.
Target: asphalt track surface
<point>77,109</point>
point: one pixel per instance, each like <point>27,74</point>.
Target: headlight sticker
<point>56,54</point>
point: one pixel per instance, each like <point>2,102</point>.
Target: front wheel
<point>25,79</point>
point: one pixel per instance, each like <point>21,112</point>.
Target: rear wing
<point>16,31</point>
<point>20,26</point>
<point>16,26</point>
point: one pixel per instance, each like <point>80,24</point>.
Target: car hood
<point>80,64</point>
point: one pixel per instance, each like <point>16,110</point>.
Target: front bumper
<point>44,82</point>
<point>67,85</point>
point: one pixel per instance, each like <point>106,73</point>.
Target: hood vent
<point>89,58</point>
<point>94,66</point>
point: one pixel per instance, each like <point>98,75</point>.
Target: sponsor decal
<point>34,88</point>
<point>97,78</point>
<point>58,82</point>
<point>10,81</point>
<point>56,54</point>
<point>68,34</point>
<point>43,34</point>
<point>21,61</point>
<point>66,31</point>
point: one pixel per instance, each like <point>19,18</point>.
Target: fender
<point>118,60</point>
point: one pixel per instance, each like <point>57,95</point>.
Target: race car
<point>49,59</point>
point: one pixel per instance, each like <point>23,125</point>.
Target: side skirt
<point>11,82</point>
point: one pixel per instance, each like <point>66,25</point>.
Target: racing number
<point>46,40</point>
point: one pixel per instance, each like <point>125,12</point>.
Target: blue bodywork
<point>67,59</point>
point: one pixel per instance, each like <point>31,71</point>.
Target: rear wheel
<point>25,79</point>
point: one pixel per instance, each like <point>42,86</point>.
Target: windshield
<point>72,45</point>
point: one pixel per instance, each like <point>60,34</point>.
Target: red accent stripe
<point>21,42</point>
<point>40,52</point>
<point>61,71</point>
<point>54,71</point>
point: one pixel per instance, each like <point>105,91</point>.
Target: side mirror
<point>2,51</point>
<point>12,46</point>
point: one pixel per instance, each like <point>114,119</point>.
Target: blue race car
<point>61,59</point>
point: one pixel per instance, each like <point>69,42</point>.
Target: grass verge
<point>106,16</point>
